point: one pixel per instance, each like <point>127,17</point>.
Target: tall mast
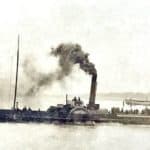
<point>16,81</point>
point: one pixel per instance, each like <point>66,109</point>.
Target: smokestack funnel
<point>92,104</point>
<point>93,90</point>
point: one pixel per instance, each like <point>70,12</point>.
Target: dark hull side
<point>39,117</point>
<point>28,116</point>
<point>7,115</point>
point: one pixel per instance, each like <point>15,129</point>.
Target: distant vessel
<point>132,101</point>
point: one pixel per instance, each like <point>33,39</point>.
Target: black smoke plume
<point>68,55</point>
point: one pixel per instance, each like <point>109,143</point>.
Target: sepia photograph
<point>74,75</point>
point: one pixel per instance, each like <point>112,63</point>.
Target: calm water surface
<point>66,137</point>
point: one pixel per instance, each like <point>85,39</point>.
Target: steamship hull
<point>59,116</point>
<point>20,116</point>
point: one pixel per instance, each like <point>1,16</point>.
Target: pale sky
<point>116,33</point>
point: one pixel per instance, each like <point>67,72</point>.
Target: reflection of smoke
<point>68,54</point>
